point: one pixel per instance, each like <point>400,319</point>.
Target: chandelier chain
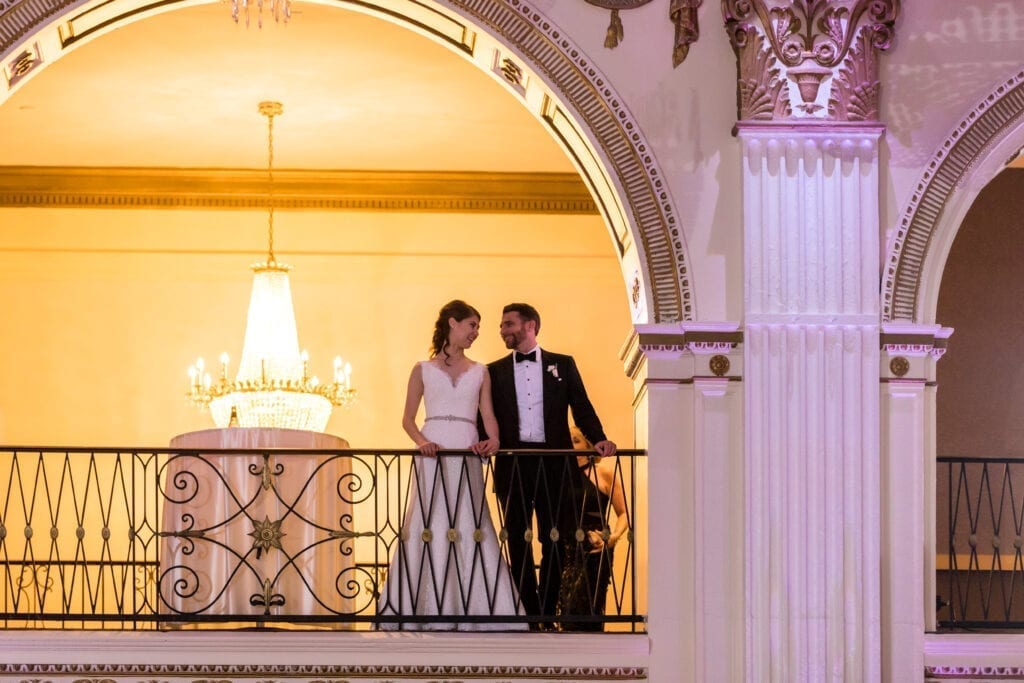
<point>270,187</point>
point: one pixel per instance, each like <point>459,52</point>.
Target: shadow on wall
<point>956,50</point>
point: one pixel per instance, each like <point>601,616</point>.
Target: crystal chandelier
<point>273,387</point>
<point>280,9</point>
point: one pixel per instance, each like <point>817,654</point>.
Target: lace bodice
<point>444,397</point>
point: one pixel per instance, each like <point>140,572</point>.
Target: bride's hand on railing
<point>428,448</point>
<point>485,448</point>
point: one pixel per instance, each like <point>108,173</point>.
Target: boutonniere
<point>553,369</point>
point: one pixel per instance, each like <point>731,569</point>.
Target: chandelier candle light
<point>273,387</point>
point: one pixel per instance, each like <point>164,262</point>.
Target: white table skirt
<point>222,573</point>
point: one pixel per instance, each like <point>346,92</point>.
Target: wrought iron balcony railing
<point>107,538</point>
<point>980,536</point>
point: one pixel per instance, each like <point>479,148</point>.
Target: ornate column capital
<point>910,352</point>
<point>809,60</point>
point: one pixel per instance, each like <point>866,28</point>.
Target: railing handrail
<point>303,451</point>
<point>981,459</point>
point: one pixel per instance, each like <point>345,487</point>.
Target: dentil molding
<point>710,345</point>
<point>166,673</point>
<point>325,190</point>
<point>809,59</point>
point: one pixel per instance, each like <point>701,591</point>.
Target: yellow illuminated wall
<point>105,310</point>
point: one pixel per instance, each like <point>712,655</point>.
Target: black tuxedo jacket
<point>563,391</point>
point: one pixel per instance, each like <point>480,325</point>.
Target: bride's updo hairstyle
<point>457,309</point>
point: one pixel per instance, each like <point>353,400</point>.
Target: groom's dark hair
<point>526,312</point>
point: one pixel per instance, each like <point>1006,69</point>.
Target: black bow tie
<point>532,355</point>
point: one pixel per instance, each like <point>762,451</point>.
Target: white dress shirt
<point>529,379</point>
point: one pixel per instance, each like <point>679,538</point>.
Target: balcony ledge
<point>974,656</point>
<point>316,654</point>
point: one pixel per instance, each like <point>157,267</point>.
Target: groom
<point>533,390</point>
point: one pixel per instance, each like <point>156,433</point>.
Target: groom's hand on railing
<point>605,448</point>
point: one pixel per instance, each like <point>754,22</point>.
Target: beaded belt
<point>451,418</point>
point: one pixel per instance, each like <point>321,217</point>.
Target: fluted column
<point>812,345</point>
<point>689,412</point>
<point>909,356</point>
<point>808,92</point>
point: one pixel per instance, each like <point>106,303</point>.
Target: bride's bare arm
<point>490,445</point>
<point>413,396</point>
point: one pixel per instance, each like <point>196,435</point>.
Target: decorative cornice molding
<point>788,49</point>
<point>661,341</point>
<point>988,123</point>
<point>133,188</point>
<point>975,672</point>
<point>909,352</point>
<point>316,673</point>
<point>915,340</point>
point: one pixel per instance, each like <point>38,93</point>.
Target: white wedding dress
<point>447,561</point>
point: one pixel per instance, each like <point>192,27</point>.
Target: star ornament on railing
<point>266,535</point>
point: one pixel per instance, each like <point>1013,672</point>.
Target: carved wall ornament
<point>814,43</point>
<point>899,366</point>
<point>682,13</point>
<point>511,72</point>
<point>760,90</point>
<point>23,63</point>
<point>719,365</point>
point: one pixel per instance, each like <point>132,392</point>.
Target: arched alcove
<point>519,46</point>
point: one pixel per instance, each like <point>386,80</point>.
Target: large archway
<point>540,66</point>
<point>979,148</point>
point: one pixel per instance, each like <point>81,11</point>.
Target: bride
<point>447,561</point>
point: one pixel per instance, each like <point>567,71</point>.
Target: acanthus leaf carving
<point>761,96</point>
<point>856,88</point>
<point>814,43</point>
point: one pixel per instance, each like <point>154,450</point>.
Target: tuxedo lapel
<point>508,414</point>
<point>550,374</point>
